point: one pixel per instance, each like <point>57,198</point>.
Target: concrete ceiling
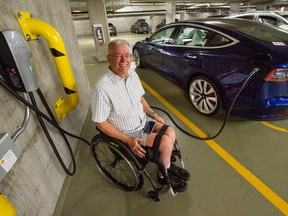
<point>118,7</point>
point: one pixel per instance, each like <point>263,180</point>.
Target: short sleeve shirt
<point>119,101</point>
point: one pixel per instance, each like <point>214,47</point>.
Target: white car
<point>278,18</point>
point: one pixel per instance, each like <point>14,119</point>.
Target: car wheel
<point>205,96</point>
<point>137,59</point>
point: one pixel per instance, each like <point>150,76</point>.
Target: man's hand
<point>158,119</point>
<point>133,143</point>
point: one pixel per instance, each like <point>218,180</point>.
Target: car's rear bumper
<point>269,109</point>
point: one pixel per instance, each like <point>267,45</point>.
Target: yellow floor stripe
<point>89,65</point>
<point>250,177</point>
<point>275,127</point>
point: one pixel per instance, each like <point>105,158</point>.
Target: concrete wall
<point>34,182</point>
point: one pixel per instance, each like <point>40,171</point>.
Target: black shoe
<point>179,172</point>
<point>177,184</point>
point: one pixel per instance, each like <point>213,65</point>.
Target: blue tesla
<point>215,59</point>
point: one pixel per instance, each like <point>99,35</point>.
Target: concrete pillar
<point>170,11</point>
<point>234,7</point>
<point>262,7</point>
<point>97,14</point>
<point>183,15</point>
<point>153,23</point>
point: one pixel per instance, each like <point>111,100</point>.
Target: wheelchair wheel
<point>116,162</point>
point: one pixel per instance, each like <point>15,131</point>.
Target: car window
<point>268,20</point>
<point>218,40</point>
<point>163,37</point>
<point>190,36</point>
<point>285,16</point>
<point>250,17</point>
<point>264,33</point>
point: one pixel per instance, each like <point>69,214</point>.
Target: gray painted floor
<point>244,171</point>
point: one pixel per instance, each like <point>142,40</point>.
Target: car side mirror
<point>146,39</point>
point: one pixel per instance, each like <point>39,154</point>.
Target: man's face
<point>119,60</point>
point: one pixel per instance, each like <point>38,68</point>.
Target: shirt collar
<point>116,78</point>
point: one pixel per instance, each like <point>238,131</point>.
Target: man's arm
<point>112,131</point>
<point>148,110</point>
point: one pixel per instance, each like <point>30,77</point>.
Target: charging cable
<point>40,115</point>
<point>255,70</point>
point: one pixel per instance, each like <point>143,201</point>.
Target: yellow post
<point>31,29</point>
<point>6,208</point>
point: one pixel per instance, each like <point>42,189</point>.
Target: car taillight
<point>277,75</point>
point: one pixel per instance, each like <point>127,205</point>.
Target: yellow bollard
<point>6,208</point>
<point>31,29</point>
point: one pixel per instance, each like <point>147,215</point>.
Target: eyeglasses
<point>119,56</point>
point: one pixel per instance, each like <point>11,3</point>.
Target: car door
<point>187,56</point>
<point>199,50</point>
<point>158,43</point>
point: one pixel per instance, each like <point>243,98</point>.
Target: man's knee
<point>170,132</point>
<point>166,143</point>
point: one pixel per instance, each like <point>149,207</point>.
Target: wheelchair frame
<point>122,167</point>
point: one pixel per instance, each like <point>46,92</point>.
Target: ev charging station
<point>16,71</point>
<point>17,76</point>
<point>98,33</point>
<point>100,42</point>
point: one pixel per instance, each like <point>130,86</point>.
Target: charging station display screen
<point>8,69</point>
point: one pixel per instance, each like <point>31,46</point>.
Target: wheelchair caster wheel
<point>154,196</point>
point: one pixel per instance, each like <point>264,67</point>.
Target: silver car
<point>278,18</point>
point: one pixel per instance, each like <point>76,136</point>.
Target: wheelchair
<point>115,160</point>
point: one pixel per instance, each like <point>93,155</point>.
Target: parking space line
<point>275,127</point>
<point>275,199</point>
<point>89,65</point>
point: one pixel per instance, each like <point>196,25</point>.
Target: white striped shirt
<point>119,101</point>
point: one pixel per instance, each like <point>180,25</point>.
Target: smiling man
<point>120,111</point>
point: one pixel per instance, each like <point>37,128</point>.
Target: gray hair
<point>116,42</point>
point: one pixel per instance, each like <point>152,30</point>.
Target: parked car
<point>212,58</point>
<point>163,23</point>
<point>140,26</point>
<point>112,29</point>
<point>279,18</point>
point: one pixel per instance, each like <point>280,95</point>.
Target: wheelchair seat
<point>115,160</point>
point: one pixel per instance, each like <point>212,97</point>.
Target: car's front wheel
<point>137,59</point>
<point>205,96</point>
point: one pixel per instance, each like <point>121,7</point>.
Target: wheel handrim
<point>120,172</point>
<point>203,96</point>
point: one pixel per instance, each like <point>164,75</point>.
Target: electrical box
<point>8,154</point>
<point>98,33</point>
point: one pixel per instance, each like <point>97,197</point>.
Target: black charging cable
<point>255,70</point>
<point>40,115</point>
<point>42,123</point>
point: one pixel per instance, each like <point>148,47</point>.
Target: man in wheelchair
<point>120,111</point>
